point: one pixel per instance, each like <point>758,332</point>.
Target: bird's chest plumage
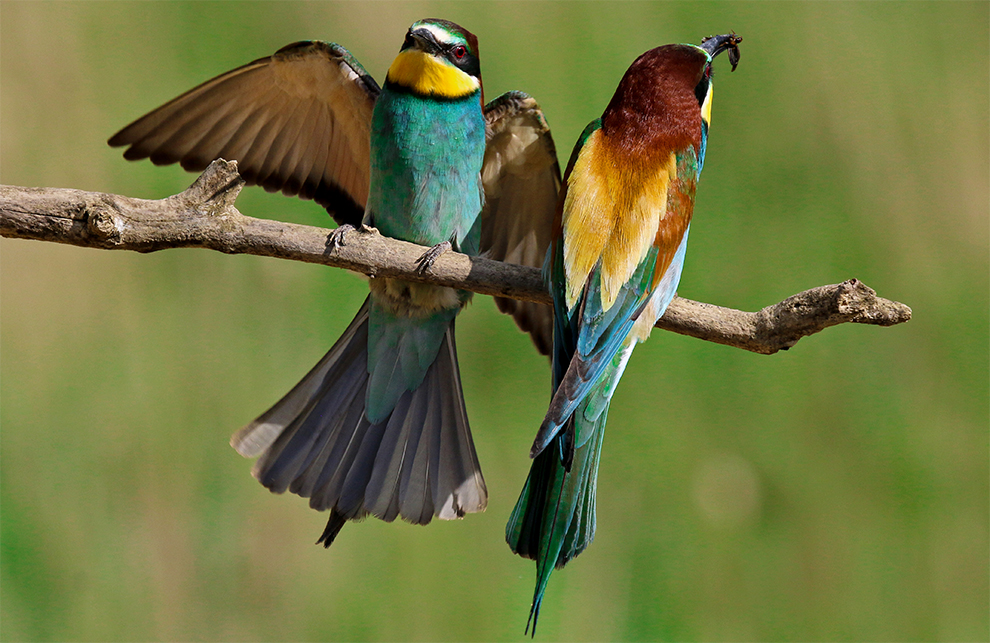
<point>614,209</point>
<point>426,158</point>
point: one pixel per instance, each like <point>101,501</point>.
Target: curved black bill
<point>715,45</point>
<point>422,39</point>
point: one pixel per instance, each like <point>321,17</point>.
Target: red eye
<point>459,51</point>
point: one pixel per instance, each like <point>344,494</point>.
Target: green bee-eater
<point>379,426</point>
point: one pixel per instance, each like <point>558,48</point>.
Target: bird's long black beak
<point>715,45</point>
<point>422,39</point>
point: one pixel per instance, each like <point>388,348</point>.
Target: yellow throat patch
<point>427,75</point>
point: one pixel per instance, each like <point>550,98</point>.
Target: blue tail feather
<point>554,519</point>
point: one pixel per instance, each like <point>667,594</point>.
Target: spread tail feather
<point>417,462</point>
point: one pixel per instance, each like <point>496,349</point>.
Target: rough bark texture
<point>204,216</point>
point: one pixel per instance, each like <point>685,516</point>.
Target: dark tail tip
<point>333,528</point>
<point>534,616</point>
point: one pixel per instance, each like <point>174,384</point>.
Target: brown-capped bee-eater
<point>379,425</point>
<point>614,263</point>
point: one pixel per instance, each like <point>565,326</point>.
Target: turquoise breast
<point>421,190</point>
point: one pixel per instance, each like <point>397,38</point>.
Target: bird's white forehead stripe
<point>441,34</point>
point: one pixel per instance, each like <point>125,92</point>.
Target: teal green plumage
<point>612,268</point>
<point>426,159</point>
<point>426,168</point>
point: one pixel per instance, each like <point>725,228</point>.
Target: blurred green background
<point>838,491</point>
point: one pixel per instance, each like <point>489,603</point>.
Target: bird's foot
<point>430,256</point>
<point>336,238</point>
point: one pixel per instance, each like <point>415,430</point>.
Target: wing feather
<point>297,121</point>
<point>521,179</point>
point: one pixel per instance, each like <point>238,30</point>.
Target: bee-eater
<point>614,262</point>
<point>378,426</point>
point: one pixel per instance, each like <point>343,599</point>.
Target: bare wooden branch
<point>204,216</point>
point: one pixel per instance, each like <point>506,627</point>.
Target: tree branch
<point>204,216</point>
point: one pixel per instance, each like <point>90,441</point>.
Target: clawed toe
<point>335,239</point>
<point>430,256</point>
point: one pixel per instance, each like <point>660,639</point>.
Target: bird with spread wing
<point>379,427</point>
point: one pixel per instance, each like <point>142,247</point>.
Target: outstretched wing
<point>521,178</point>
<point>297,121</point>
